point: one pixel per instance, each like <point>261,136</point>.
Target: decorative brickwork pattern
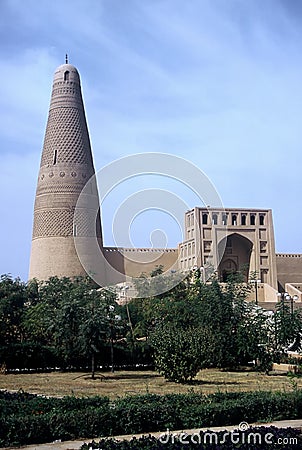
<point>85,223</point>
<point>65,87</point>
<point>53,223</point>
<point>67,134</point>
<point>66,166</point>
<point>60,189</point>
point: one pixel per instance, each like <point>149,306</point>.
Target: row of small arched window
<point>234,219</point>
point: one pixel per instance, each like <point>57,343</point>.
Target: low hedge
<point>30,419</point>
<point>266,438</point>
<point>25,356</point>
<point>28,355</point>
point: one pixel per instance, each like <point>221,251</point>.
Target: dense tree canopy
<point>70,323</point>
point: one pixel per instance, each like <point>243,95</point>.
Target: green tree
<point>13,298</point>
<point>215,311</point>
<point>158,283</point>
<point>179,353</point>
<point>71,316</point>
<point>287,326</point>
<point>237,328</point>
<point>52,313</point>
<point>250,334</point>
<point>97,325</point>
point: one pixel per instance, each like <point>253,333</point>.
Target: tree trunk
<point>92,366</point>
<point>112,355</point>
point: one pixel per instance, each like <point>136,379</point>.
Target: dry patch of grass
<point>132,383</point>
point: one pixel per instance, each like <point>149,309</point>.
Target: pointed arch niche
<point>236,256</point>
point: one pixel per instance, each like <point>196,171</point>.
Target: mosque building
<point>67,223</point>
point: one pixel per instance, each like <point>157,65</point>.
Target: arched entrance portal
<point>236,251</point>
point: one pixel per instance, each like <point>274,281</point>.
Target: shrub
<point>265,438</point>
<point>28,355</point>
<point>30,419</point>
<point>180,353</point>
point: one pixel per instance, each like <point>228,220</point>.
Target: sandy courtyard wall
<point>289,268</point>
<point>132,262</point>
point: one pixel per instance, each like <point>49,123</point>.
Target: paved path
<point>76,445</point>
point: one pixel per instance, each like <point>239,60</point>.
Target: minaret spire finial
<point>66,150</point>
<point>66,59</point>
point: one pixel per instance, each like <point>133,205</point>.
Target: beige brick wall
<point>289,268</point>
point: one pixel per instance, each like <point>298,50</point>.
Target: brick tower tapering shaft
<point>66,166</point>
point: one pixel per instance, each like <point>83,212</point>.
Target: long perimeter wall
<point>289,268</point>
<point>132,262</point>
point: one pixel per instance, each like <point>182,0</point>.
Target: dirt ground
<point>141,382</point>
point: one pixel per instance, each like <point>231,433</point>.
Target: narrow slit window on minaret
<point>66,75</point>
<point>74,229</point>
<point>55,154</point>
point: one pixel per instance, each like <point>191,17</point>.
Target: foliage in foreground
<point>30,419</point>
<point>180,353</point>
<point>199,325</point>
<point>213,327</point>
<point>62,323</point>
<point>266,438</point>
<point>67,323</point>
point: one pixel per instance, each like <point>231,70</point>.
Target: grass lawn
<point>131,383</point>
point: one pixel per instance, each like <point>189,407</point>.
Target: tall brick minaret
<point>66,166</point>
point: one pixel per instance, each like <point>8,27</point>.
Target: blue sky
<point>218,82</point>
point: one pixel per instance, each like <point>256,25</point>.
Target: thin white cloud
<point>215,82</point>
